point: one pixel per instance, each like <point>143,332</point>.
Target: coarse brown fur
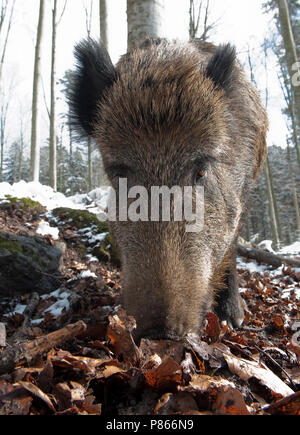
<point>170,109</point>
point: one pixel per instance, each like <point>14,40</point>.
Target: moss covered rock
<point>28,264</point>
<point>24,203</point>
<point>104,248</point>
<point>80,218</point>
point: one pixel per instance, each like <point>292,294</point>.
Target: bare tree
<point>103,22</point>
<point>145,19</point>
<point>273,208</point>
<point>3,117</point>
<point>88,21</point>
<point>294,189</point>
<point>35,148</point>
<point>199,19</point>
<point>291,52</point>
<point>3,13</point>
<point>52,148</point>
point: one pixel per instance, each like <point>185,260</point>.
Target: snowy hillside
<point>95,201</point>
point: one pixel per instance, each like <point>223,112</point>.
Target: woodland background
<point>70,167</point>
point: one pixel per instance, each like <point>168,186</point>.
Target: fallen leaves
<point>164,377</point>
<point>85,360</point>
<point>251,369</point>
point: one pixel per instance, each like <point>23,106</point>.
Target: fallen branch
<point>28,352</point>
<point>266,257</point>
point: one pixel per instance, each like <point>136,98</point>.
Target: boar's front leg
<point>228,303</point>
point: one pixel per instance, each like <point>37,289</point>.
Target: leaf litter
<point>87,361</point>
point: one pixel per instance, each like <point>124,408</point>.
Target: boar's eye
<point>200,175</point>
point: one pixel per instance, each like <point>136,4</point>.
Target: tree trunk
<point>266,257</point>
<point>3,118</point>
<point>274,200</point>
<point>90,174</point>
<point>145,19</point>
<point>35,146</point>
<point>103,23</point>
<point>53,151</point>
<point>3,51</point>
<point>291,53</point>
<point>195,18</point>
<point>272,213</point>
<point>294,190</point>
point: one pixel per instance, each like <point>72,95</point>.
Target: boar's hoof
<point>232,310</point>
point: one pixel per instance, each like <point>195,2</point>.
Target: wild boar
<point>175,114</point>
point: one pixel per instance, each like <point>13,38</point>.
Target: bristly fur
<point>93,75</point>
<point>166,111</point>
<point>222,66</point>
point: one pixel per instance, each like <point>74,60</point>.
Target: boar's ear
<point>94,74</point>
<point>221,67</point>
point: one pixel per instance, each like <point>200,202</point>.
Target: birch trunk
<point>272,212</point>
<point>145,19</point>
<point>35,146</point>
<point>53,151</point>
<point>103,22</point>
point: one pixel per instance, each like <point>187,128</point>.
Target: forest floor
<point>72,351</point>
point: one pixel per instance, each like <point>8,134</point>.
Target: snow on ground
<point>293,249</point>
<point>267,245</point>
<point>94,201</point>
<point>44,229</point>
<point>252,266</point>
<point>55,309</point>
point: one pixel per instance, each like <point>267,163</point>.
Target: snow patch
<point>44,229</point>
<point>267,245</point>
<point>293,249</point>
<point>60,305</point>
<point>252,266</point>
<point>94,201</point>
<point>87,274</point>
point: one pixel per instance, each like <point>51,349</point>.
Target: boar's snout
<point>163,289</point>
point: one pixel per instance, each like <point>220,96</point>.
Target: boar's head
<point>173,114</point>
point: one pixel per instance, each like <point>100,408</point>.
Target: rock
<point>105,248</point>
<point>28,264</point>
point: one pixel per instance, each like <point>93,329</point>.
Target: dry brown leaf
<point>177,403</point>
<point>14,400</point>
<point>162,348</point>
<point>212,328</point>
<point>109,370</point>
<point>122,342</point>
<point>204,383</point>
<point>69,395</point>
<point>230,401</point>
<point>66,359</point>
<point>247,369</point>
<point>166,375</point>
<point>37,392</point>
<point>91,408</point>
<point>288,406</point>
